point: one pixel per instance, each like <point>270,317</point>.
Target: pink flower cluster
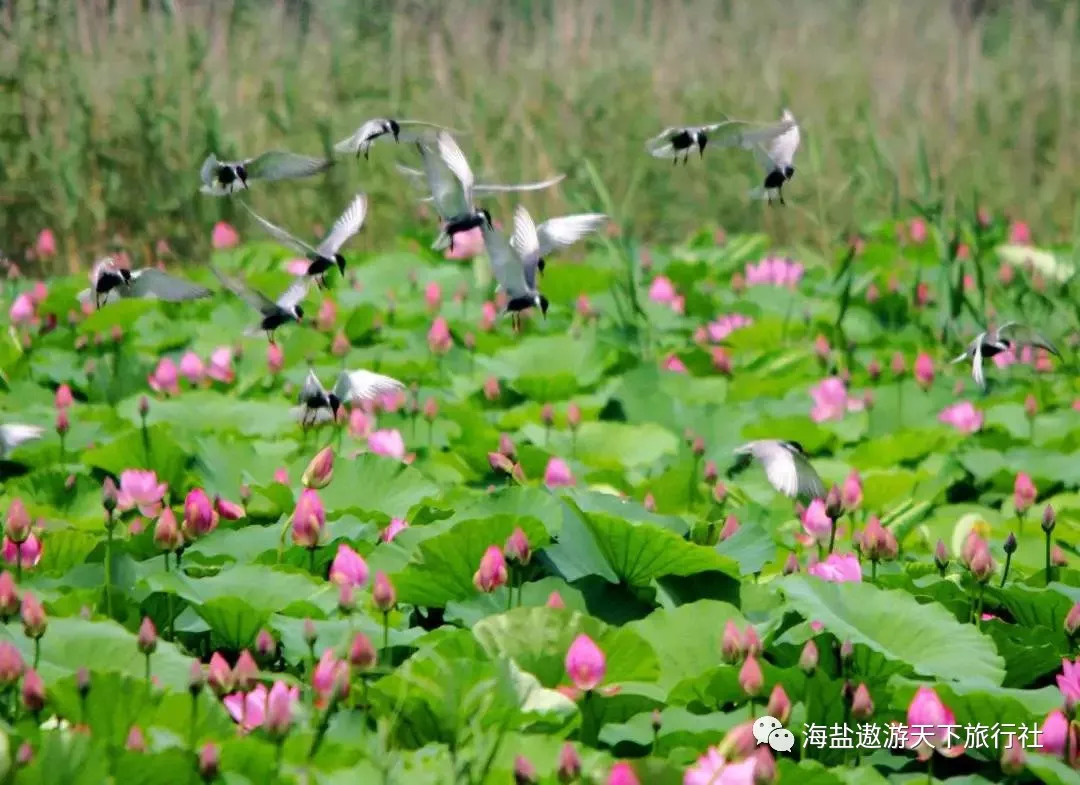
<point>726,325</point>
<point>774,271</point>
<point>24,309</point>
<point>662,291</point>
<point>166,376</point>
<point>831,400</point>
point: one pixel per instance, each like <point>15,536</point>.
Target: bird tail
<point>441,242</point>
<point>759,193</point>
<point>251,332</point>
<point>959,359</point>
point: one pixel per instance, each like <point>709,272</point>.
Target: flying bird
<point>318,404</point>
<point>786,467</point>
<point>13,434</point>
<point>679,140</point>
<point>366,135</point>
<point>989,343</point>
<point>453,187</point>
<point>514,264</point>
<point>555,234</point>
<point>220,178</point>
<point>273,314</point>
<point>327,253</point>
<point>108,279</point>
<point>774,147</point>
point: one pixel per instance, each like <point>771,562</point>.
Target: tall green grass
<point>108,108</point>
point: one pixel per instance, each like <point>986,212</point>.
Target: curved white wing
<point>456,161</point>
<point>294,294</point>
<point>554,234</point>
<point>506,265</point>
<point>14,434</point>
<point>280,165</point>
<point>280,234</point>
<point>977,367</point>
<point>488,188</point>
<point>364,385</point>
<point>446,191</point>
<point>526,243</point>
<point>781,150</point>
<point>209,167</point>
<point>257,300</point>
<point>362,137</point>
<point>153,283</point>
<point>345,227</point>
<point>312,387</point>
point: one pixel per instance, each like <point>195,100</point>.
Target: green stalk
<point>194,716</point>
<point>108,567</point>
<point>1005,572</point>
<point>832,536</point>
<point>37,652</point>
<point>386,637</point>
<point>1048,547</point>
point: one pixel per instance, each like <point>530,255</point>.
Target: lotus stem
<point>194,716</point>
<point>37,652</point>
<point>1005,572</point>
<point>108,566</point>
<point>1049,543</point>
<point>386,637</point>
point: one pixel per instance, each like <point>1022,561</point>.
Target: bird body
<point>786,467</point>
<point>515,262</point>
<point>109,280</point>
<point>350,387</point>
<point>369,132</point>
<point>272,314</point>
<point>14,434</point>
<point>555,234</point>
<point>679,140</point>
<point>991,343</point>
<point>221,178</point>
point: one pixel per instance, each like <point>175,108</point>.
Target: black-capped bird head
<point>395,128</point>
<point>299,311</point>
<point>335,403</point>
<point>483,213</point>
<point>540,264</point>
<point>542,302</point>
<point>789,172</point>
<point>340,261</point>
<point>241,172</point>
<point>797,447</point>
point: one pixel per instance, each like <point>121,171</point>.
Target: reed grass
<point>108,108</point>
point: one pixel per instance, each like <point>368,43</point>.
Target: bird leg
<point>270,336</point>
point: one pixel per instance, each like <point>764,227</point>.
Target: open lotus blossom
<point>662,290</point>
<point>27,553</point>
<point>191,367</point>
<point>1059,735</point>
<point>439,338</point>
<point>22,310</point>
<point>622,773</point>
<point>348,567</point>
<point>585,663</point>
<point>962,416</point>
<point>713,769</point>
<point>393,529</point>
<point>140,488</point>
<point>1068,681</point>
<point>387,442</point>
<point>929,721</point>
<point>725,325</point>
<point>774,271</point>
<point>250,709</point>
<point>220,368</point>
<point>466,245</point>
<point>831,401</point>
<point>224,236</point>
<point>165,379</point>
<point>557,473</point>
<point>816,521</point>
<point>838,568</point>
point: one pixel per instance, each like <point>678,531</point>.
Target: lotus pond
<point>537,565</point>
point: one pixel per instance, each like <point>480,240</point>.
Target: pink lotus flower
<point>348,567</point>
<point>339,347</point>
<point>851,492</point>
<point>837,568</point>
<point>466,245</point>
<point>917,230</point>
<point>200,517</point>
<point>725,325</point>
<point>924,370</point>
<point>250,709</point>
<point>230,511</point>
<point>491,388</point>
<point>387,442</point>
<point>1058,735</point>
<point>1024,492</point>
<point>164,378</point>
<point>45,245</point>
<point>831,400</point>
<point>275,358</point>
<point>622,774</point>
<point>662,290</point>
<point>63,398</point>
<point>1019,233</point>
<point>439,338</point>
<point>297,267</point>
<point>963,416</point>
<point>140,488</point>
<point>433,295</point>
<point>1068,681</point>
<point>774,271</point>
<point>281,476</point>
<point>585,663</point>
<point>224,236</point>
<point>330,675</point>
<point>492,571</point>
<point>221,369</point>
<point>674,364</point>
<point>360,423</point>
<point>28,552</point>
<point>327,315</point>
<point>928,721</point>
<point>584,307</point>
<point>557,473</point>
<point>816,521</point>
<point>22,310</point>
<point>393,529</point>
<point>488,314</point>
<point>191,368</point>
<point>308,519</point>
<point>712,769</point>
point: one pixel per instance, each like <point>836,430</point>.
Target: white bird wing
<point>781,471</point>
<point>280,165</point>
<point>554,234</point>
<point>312,387</point>
<point>506,265</point>
<point>526,243</point>
<point>14,434</point>
<point>345,227</point>
<point>356,142</point>
<point>280,234</point>
<point>446,190</point>
<point>209,167</point>
<point>977,366</point>
<point>257,300</point>
<point>310,416</point>
<point>364,386</point>
<point>456,161</point>
<point>810,485</point>
<point>295,294</point>
<point>1026,336</point>
<point>153,283</point>
<point>660,146</point>
<point>781,149</point>
<point>489,188</point>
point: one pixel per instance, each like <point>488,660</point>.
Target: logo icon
<point>768,730</point>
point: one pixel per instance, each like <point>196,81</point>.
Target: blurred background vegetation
<point>107,108</point>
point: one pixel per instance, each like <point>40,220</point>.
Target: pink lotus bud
<point>517,547</point>
<point>63,398</point>
<point>764,766</point>
<point>1072,620</point>
<point>9,596</point>
<point>573,416</point>
<point>834,506</point>
<point>11,664</point>
<point>698,446</point>
<point>25,756</point>
<point>321,469</point>
<point>941,556</point>
<point>199,515</point>
<point>393,529</point>
<point>346,598</point>
<point>927,710</point>
<point>1013,758</point>
<point>339,347</point>
<point>280,702</point>
<point>230,511</point>
<point>751,643</point>
<point>439,338</point>
<point>245,672</point>
<point>63,424</point>
<point>433,296</point>
<point>847,651</point>
<point>309,632</point>
<point>751,678</point>
<point>500,463</point>
<point>622,773</point>
<point>308,520</point>
<point>144,406</point>
<point>981,564</point>
<point>209,761</point>
<point>555,600</point>
<point>851,493</point>
<point>816,521</point>
<point>431,409</point>
<point>808,659</point>
<point>1031,407</point>
<point>196,678</point>
<point>862,707</point>
<point>721,360</point>
<point>491,388</point>
<point>330,679</point>
<point>547,414</point>
<point>649,502</point>
<point>924,370</point>
<point>506,446</point>
<point>348,567</point>
<point>383,593</point>
<point>557,473</point>
<point>33,616</point>
<point>361,653</point>
<point>1024,492</point>
<point>275,358</point>
<point>136,741</point>
<point>524,771</point>
<point>45,245</point>
<point>327,315</point>
<point>265,645</point>
<point>731,643</point>
<point>17,524</point>
<point>492,572</point>
<point>1057,557</point>
<point>791,565</point>
<point>719,492</point>
<point>146,641</point>
<point>220,675</point>
<point>656,720</point>
<point>899,365</point>
<point>1048,519</point>
<point>224,236</point>
<point>731,525</point>
<point>874,370</point>
<point>167,534</point>
<point>569,764</point>
<point>33,691</point>
<point>779,705</point>
<point>585,663</point>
